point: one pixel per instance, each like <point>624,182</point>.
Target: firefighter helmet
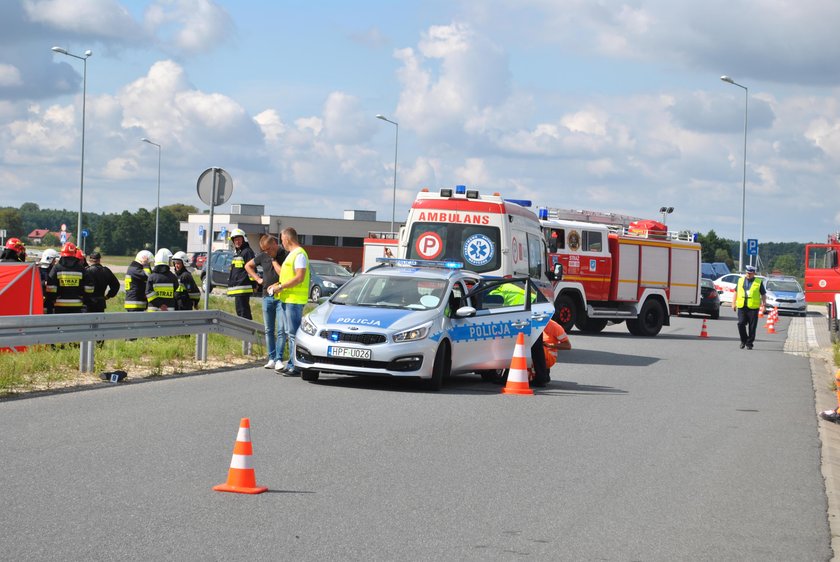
<point>181,256</point>
<point>48,256</point>
<point>79,254</point>
<point>143,256</point>
<point>162,257</point>
<point>15,245</point>
<point>68,250</point>
<point>238,232</point>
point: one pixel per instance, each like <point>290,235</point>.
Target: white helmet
<point>48,256</point>
<point>162,257</point>
<point>143,256</point>
<point>180,256</point>
<point>238,232</point>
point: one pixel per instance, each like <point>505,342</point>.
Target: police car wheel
<point>310,375</point>
<point>440,369</point>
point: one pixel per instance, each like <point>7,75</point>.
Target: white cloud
<point>189,26</point>
<point>90,18</point>
<point>9,76</point>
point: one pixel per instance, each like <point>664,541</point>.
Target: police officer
<point>749,298</point>
<point>103,279</point>
<point>135,282</point>
<point>188,293</point>
<point>14,251</point>
<point>240,284</point>
<point>68,283</point>
<point>162,283</point>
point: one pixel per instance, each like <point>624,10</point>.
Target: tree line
<point>785,258</point>
<point>119,234</point>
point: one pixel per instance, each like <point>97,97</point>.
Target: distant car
<point>720,269</point>
<point>786,295</point>
<point>707,271</point>
<point>325,277</point>
<point>726,285</point>
<point>420,320</point>
<point>709,300</point>
<point>219,265</point>
<point>198,259</point>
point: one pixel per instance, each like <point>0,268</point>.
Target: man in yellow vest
<point>293,292</point>
<point>749,298</point>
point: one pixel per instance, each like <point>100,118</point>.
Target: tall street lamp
<point>157,209</point>
<point>84,59</point>
<point>744,185</point>
<point>396,146</point>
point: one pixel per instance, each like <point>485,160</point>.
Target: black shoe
<point>291,373</point>
<point>743,345</point>
<point>749,346</point>
<point>539,383</point>
<point>830,415</point>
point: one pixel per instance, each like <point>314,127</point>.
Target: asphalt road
<point>669,448</point>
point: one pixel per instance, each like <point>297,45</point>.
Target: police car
<point>417,318</point>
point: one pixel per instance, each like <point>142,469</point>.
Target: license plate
<point>349,352</point>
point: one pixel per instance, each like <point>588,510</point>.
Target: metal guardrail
<point>18,331</point>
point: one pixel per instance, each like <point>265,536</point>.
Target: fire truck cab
<point>822,279</point>
<point>618,268</point>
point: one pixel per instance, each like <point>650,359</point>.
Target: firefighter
<point>240,284</point>
<point>68,283</point>
<point>188,293</point>
<point>162,283</point>
<point>554,338</point>
<point>44,265</point>
<point>14,251</point>
<point>135,282</point>
<point>103,279</point>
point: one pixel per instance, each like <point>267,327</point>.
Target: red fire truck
<point>619,268</point>
<point>822,278</point>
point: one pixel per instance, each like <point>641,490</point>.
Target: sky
<point>606,106</point>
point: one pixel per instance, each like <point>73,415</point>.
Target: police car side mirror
<point>465,312</point>
<point>558,271</point>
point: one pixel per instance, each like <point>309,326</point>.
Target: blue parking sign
<point>752,247</point>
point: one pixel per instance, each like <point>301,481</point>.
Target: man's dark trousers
<point>747,319</point>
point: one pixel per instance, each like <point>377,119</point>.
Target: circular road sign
<point>224,186</point>
<point>429,245</point>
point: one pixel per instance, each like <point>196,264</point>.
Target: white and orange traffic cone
<point>517,380</point>
<point>771,328</point>
<point>241,476</point>
<point>703,332</point>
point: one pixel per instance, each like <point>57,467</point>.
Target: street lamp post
<point>396,147</point>
<point>84,59</point>
<point>665,212</point>
<point>744,185</point>
<point>157,209</point>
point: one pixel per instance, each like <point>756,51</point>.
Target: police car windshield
<point>477,246</point>
<point>784,286</point>
<point>391,292</point>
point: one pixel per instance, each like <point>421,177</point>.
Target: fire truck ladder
<point>611,219</point>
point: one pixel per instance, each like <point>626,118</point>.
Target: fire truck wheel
<point>565,312</point>
<point>650,320</point>
<point>591,325</point>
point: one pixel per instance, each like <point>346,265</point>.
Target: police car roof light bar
<point>402,262</point>
<point>520,202</point>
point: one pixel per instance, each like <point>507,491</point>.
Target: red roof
<point>38,233</point>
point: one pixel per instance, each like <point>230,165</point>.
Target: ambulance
<point>490,235</point>
<point>615,268</point>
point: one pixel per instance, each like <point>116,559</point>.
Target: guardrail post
<point>246,348</point>
<point>201,347</point>
<point>86,357</point>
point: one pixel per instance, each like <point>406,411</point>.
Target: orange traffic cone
<point>771,328</point>
<point>241,476</point>
<point>761,313</point>
<point>703,332</point>
<point>517,380</point>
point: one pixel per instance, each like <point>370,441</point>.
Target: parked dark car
<point>709,300</point>
<point>707,271</point>
<point>721,269</point>
<point>220,268</point>
<point>325,277</point>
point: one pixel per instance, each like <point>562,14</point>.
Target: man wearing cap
<point>749,298</point>
<point>103,280</point>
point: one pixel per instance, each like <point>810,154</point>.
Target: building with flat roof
<point>339,240</point>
